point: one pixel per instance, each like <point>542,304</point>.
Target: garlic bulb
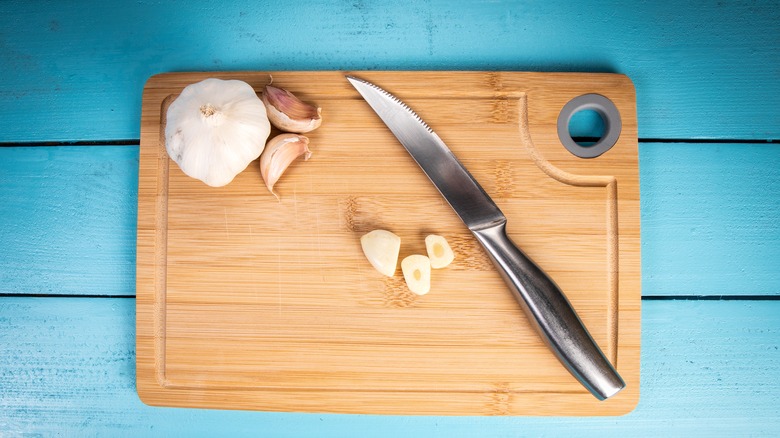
<point>381,248</point>
<point>215,128</point>
<point>288,113</point>
<point>439,251</point>
<point>279,153</point>
<point>417,273</point>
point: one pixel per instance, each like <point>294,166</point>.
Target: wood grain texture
<point>76,71</point>
<point>243,298</point>
<point>67,204</point>
<point>67,220</point>
<point>710,225</point>
<point>67,368</point>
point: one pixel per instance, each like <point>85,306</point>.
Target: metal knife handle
<point>553,315</point>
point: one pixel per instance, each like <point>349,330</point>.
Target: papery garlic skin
<point>288,113</point>
<point>439,251</point>
<point>215,128</point>
<point>279,153</point>
<point>381,248</point>
<point>417,273</point>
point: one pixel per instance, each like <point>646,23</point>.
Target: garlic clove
<point>381,248</point>
<point>279,153</point>
<point>288,113</point>
<point>417,273</point>
<point>215,128</point>
<point>439,251</point>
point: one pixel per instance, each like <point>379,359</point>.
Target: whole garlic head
<point>215,128</point>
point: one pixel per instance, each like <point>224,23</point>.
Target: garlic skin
<point>439,251</point>
<point>279,153</point>
<point>417,273</point>
<point>288,113</point>
<point>381,248</point>
<point>215,128</point>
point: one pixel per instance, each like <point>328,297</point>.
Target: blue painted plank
<point>68,220</point>
<point>709,368</point>
<point>710,219</point>
<point>75,70</point>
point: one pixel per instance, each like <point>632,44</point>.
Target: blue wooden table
<point>707,77</point>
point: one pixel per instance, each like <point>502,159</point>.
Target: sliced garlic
<point>288,113</point>
<point>417,273</point>
<point>215,128</point>
<point>439,251</point>
<point>381,248</point>
<point>279,153</point>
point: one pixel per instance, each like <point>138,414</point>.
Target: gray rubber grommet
<point>608,112</point>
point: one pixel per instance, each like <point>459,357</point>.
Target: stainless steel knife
<point>541,299</point>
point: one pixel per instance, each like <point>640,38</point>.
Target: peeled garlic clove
<point>417,273</point>
<point>215,128</point>
<point>288,113</point>
<point>439,251</point>
<point>381,248</point>
<point>279,153</point>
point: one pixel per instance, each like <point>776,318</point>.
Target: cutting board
<point>249,302</point>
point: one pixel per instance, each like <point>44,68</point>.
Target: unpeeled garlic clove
<point>417,273</point>
<point>381,248</point>
<point>279,153</point>
<point>288,113</point>
<point>439,251</point>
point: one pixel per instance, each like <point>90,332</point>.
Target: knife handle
<point>551,313</point>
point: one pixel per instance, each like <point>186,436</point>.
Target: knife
<point>542,300</point>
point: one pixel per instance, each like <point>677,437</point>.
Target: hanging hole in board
<point>589,125</point>
<point>586,127</point>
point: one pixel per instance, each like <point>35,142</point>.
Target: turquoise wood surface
<point>709,219</point>
<point>74,71</point>
<point>68,218</point>
<point>709,368</point>
<point>702,69</point>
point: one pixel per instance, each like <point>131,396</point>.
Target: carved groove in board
<point>610,184</point>
<point>161,252</point>
<point>391,297</point>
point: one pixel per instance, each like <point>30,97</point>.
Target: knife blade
<point>541,299</point>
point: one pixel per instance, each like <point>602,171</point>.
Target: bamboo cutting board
<point>249,302</point>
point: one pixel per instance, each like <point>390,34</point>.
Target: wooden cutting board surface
<point>249,302</point>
